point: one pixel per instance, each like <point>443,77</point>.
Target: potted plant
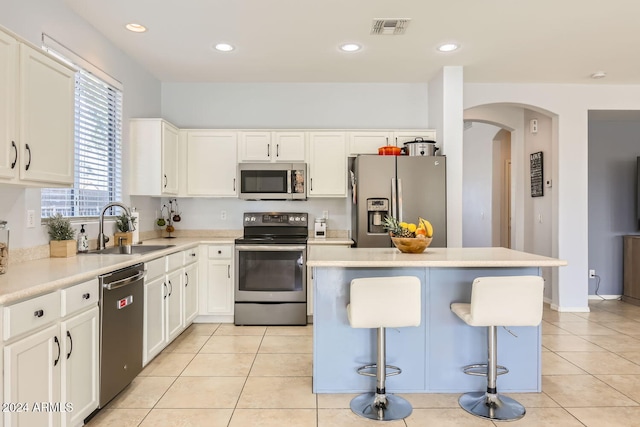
<point>63,243</point>
<point>125,224</point>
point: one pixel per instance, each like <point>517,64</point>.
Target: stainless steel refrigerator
<point>406,187</point>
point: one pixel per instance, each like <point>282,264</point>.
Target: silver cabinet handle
<point>234,184</point>
<point>277,150</point>
<point>268,150</point>
<point>228,271</point>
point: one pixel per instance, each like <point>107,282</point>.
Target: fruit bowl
<point>411,245</point>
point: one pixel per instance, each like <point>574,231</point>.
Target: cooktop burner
<point>274,228</point>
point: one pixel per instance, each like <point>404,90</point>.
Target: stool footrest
<point>389,371</point>
<point>481,370</point>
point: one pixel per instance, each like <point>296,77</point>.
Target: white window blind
<point>98,146</point>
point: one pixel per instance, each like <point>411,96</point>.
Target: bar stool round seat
<point>498,301</point>
<point>383,302</point>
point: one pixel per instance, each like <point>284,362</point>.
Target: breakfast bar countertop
<point>431,257</point>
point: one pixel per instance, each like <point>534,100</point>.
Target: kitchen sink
<point>129,250</point>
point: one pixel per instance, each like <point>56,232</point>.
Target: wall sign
<point>537,189</point>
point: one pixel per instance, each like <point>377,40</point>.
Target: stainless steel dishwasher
<point>121,319</point>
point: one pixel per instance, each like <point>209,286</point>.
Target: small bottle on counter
<point>83,240</point>
<point>4,246</point>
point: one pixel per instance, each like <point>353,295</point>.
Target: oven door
<point>270,273</point>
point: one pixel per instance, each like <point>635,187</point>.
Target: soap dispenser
<point>83,240</point>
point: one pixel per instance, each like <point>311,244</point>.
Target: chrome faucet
<point>102,239</point>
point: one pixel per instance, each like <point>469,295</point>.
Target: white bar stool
<point>383,302</point>
<point>498,301</point>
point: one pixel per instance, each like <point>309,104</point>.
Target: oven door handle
<point>271,248</point>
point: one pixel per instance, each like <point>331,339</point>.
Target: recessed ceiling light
<point>350,47</point>
<point>448,47</point>
<point>599,75</point>
<point>224,47</point>
<point>136,28</point>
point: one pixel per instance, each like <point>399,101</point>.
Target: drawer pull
<point>192,254</point>
<point>219,252</point>
<point>38,313</point>
<point>86,296</point>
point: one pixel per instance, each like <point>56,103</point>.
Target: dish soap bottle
<point>83,240</point>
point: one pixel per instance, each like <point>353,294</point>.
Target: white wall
<point>570,104</point>
<point>282,106</point>
<point>478,189</point>
<point>141,98</point>
<point>295,105</point>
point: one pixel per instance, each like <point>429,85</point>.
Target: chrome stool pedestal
<point>381,406</point>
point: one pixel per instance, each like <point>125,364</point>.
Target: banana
<point>427,226</point>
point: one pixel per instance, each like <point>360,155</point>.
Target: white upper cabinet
<point>37,95</point>
<point>8,95</point>
<point>327,164</point>
<point>400,137</point>
<point>267,146</point>
<point>368,142</point>
<point>154,157</point>
<point>211,163</point>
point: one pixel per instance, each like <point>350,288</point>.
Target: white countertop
<point>330,241</point>
<point>33,278</point>
<point>431,257</point>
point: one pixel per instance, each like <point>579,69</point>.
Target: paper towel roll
<point>135,215</point>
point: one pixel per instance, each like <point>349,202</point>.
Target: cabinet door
<point>32,374</point>
<point>327,164</point>
<point>8,106</point>
<point>219,289</point>
<point>256,147</point>
<point>154,317</point>
<point>174,305</point>
<point>211,163</point>
<point>47,92</point>
<point>190,293</point>
<point>169,159</point>
<point>80,371</point>
<point>289,147</point>
<point>400,137</point>
<point>368,142</point>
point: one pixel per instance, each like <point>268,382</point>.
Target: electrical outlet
<point>223,215</point>
<point>31,219</point>
<point>592,274</point>
<point>325,214</point>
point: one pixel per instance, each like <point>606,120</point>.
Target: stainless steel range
<point>270,273</point>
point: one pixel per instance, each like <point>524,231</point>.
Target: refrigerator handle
<point>400,215</point>
<point>394,206</point>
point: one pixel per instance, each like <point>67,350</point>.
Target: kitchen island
<point>432,355</point>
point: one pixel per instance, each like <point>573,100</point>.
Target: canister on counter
<point>4,246</point>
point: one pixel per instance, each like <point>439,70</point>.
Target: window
<point>98,146</point>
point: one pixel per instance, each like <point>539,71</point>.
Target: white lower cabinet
<point>216,291</point>
<point>80,370</point>
<point>170,300</point>
<point>190,281</point>
<point>51,374</point>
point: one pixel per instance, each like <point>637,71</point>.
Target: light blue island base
<point>432,355</point>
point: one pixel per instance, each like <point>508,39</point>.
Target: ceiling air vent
<point>393,27</point>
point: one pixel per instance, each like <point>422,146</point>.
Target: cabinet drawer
<point>175,261</point>
<point>156,268</point>
<point>79,296</point>
<point>31,314</point>
<point>219,251</point>
<point>190,255</point>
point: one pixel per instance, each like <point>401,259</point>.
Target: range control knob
<point>253,218</point>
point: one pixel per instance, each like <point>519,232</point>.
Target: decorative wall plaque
<point>537,187</point>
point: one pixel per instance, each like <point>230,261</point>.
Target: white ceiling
<point>550,41</point>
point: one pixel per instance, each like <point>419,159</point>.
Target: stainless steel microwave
<point>273,181</point>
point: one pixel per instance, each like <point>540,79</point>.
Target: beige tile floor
<point>222,375</point>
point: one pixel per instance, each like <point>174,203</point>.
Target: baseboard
<point>607,297</point>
